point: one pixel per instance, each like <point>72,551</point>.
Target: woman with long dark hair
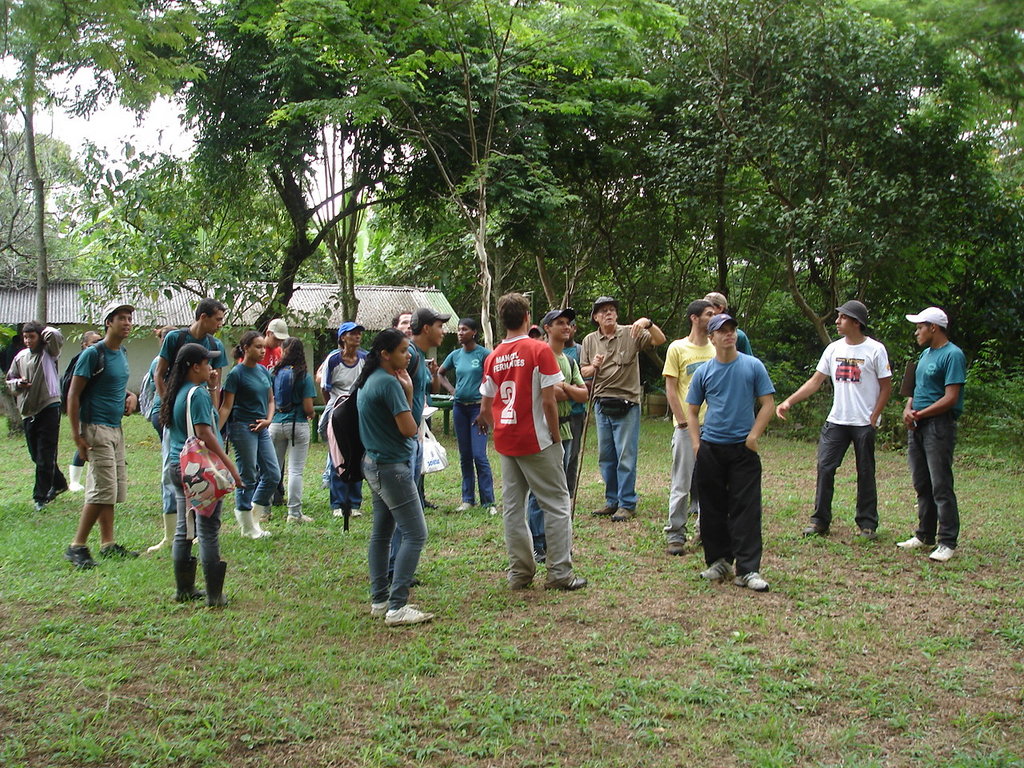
<point>470,431</point>
<point>247,409</point>
<point>189,376</point>
<point>388,430</point>
<point>289,430</point>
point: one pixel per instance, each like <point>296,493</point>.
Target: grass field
<point>860,655</point>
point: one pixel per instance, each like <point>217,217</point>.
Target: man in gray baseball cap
<point>861,385</point>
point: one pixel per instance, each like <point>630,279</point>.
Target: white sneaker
<point>407,614</point>
<point>718,570</point>
<point>942,553</point>
<point>752,581</point>
<point>296,519</point>
<point>492,510</point>
<point>355,513</point>
<point>912,543</point>
<point>378,609</point>
<point>464,507</point>
<point>338,512</point>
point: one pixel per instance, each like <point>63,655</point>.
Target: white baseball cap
<point>932,315</point>
<point>279,328</point>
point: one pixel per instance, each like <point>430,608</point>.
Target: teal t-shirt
<point>175,340</point>
<point>103,398</point>
<point>573,353</point>
<point>202,413</point>
<point>936,369</point>
<point>469,372</point>
<point>286,413</point>
<point>420,381</point>
<point>380,400</point>
<point>251,388</point>
<point>730,390</point>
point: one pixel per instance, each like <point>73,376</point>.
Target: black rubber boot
<point>215,584</point>
<point>185,579</point>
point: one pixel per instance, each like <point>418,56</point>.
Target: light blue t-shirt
<point>202,413</point>
<point>102,400</point>
<point>382,398</point>
<point>936,369</point>
<point>469,372</point>
<point>730,390</point>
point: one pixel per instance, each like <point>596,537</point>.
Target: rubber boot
<point>185,579</point>
<point>170,524</point>
<point>75,479</point>
<point>214,574</point>
<point>244,518</point>
<point>258,514</point>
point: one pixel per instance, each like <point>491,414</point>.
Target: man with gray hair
<point>861,385</point>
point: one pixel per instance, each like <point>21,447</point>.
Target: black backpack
<point>345,423</point>
<point>69,372</point>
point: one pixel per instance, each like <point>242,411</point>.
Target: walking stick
<point>583,445</point>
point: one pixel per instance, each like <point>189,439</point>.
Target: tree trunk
<point>545,281</point>
<point>38,191</point>
<point>801,302</point>
<point>720,249</point>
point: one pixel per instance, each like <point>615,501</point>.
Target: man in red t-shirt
<point>277,331</point>
<point>518,403</point>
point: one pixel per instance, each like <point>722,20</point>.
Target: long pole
<point>583,445</point>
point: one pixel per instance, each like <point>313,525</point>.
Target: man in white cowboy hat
<point>861,386</point>
<point>931,417</point>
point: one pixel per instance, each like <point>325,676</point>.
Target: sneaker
<point>80,557</point>
<point>266,517</point>
<point>492,510</point>
<point>464,506</point>
<point>676,548</point>
<point>912,543</point>
<point>407,614</point>
<point>815,530</point>
<point>355,513</point>
<point>299,519</point>
<point>866,534</point>
<point>338,512</point>
<point>540,555</point>
<point>622,514</point>
<point>116,550</point>
<point>752,581</point>
<point>718,570</point>
<point>605,512</point>
<point>942,553</point>
<point>377,610</point>
<point>39,506</point>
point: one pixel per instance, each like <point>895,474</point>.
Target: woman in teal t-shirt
<point>388,429</point>
<point>247,409</point>
<point>289,431</point>
<point>191,372</point>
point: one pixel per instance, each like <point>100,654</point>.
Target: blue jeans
<point>415,462</point>
<point>343,494</point>
<point>535,515</point>
<point>930,455</point>
<point>396,506</point>
<point>473,453</point>
<point>832,445</point>
<point>207,530</point>
<point>169,469</point>
<point>618,440</point>
<point>257,464</point>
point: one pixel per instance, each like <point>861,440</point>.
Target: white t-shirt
<point>855,370</point>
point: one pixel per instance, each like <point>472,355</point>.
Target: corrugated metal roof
<point>80,304</point>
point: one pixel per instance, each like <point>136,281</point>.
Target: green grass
<point>861,655</point>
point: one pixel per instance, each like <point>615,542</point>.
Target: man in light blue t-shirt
<point>931,416</point>
<point>728,468</point>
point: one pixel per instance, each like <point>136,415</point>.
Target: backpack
<point>147,393</point>
<point>284,390</point>
<point>65,381</point>
<point>347,448</point>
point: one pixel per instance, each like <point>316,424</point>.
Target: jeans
<point>535,515</point>
<point>41,433</point>
<point>930,455</point>
<point>415,462</point>
<point>576,422</point>
<point>396,506</point>
<point>541,473</point>
<point>257,464</point>
<point>169,468</point>
<point>617,443</point>
<point>292,438</point>
<point>682,494</point>
<point>472,453</point>
<point>342,494</point>
<point>729,483</point>
<point>207,530</point>
<point>832,445</point>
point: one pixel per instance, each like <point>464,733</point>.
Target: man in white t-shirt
<point>862,382</point>
<point>518,403</point>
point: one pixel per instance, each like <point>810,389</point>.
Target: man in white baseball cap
<point>931,417</point>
